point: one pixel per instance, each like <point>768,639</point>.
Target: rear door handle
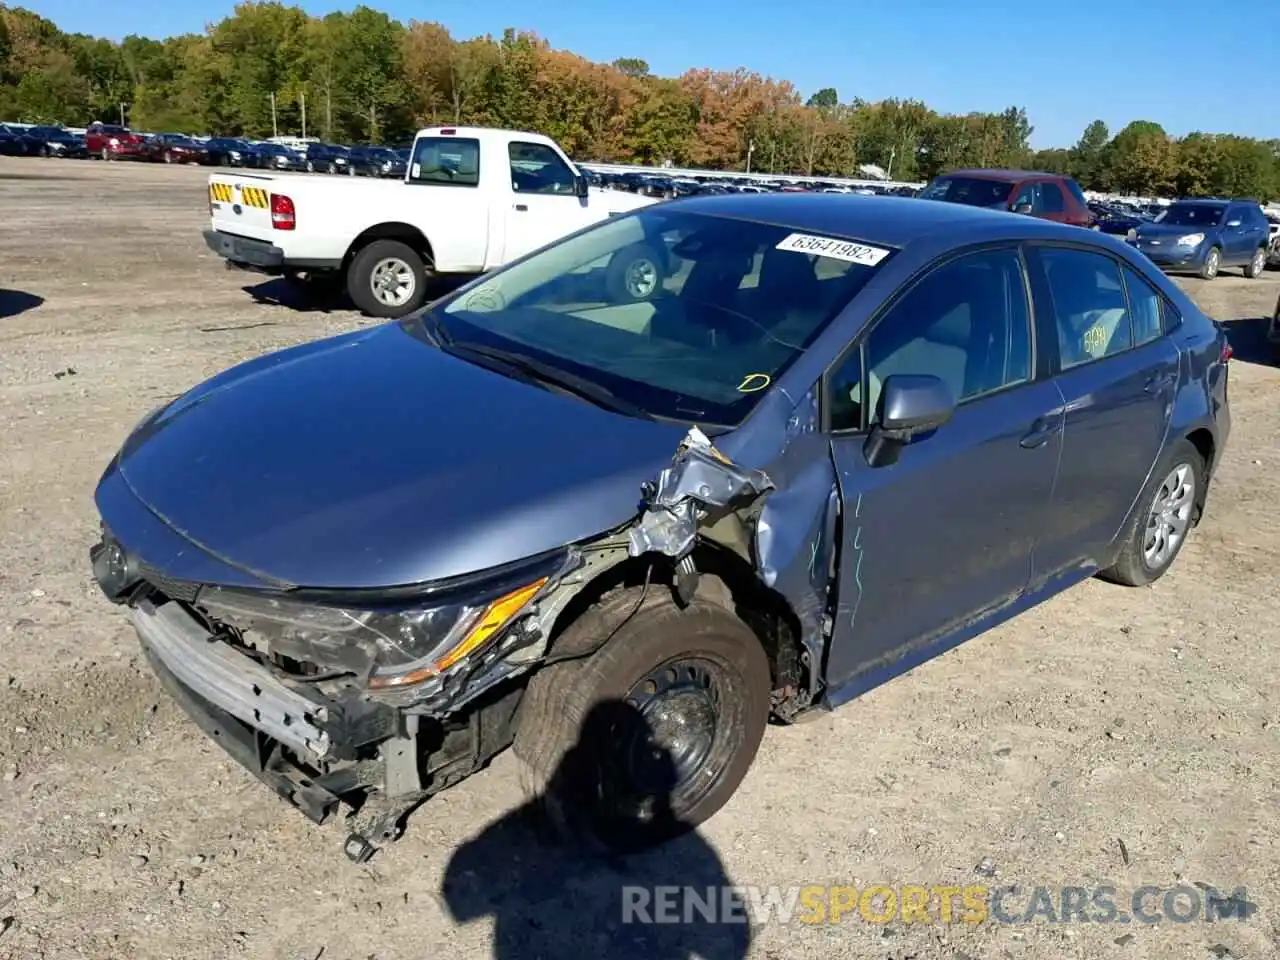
<point>1159,383</point>
<point>522,207</point>
<point>1041,432</point>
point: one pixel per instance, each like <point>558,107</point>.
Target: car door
<point>544,204</point>
<point>947,532</point>
<point>1234,234</point>
<point>1117,374</point>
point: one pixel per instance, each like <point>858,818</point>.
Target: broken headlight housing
<point>392,642</point>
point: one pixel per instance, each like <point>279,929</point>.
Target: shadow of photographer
<point>572,873</point>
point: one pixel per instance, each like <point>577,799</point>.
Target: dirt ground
<point>1112,736</point>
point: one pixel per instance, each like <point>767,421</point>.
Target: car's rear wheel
<point>1256,265</point>
<point>1212,262</point>
<point>649,735</point>
<point>1160,525</point>
<point>387,279</point>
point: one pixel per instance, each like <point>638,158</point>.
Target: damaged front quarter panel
<point>700,481</point>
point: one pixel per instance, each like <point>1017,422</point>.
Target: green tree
<point>1087,155</point>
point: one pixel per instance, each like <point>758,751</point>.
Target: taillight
<point>1226,352</point>
<point>283,216</point>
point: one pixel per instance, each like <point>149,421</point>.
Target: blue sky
<point>1118,60</point>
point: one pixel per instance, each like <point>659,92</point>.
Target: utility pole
<point>893,152</point>
<point>122,106</point>
<point>275,131</point>
<point>304,116</point>
<point>751,148</point>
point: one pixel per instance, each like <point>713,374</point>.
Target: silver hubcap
<point>641,278</point>
<point>392,282</point>
<point>1170,516</point>
<point>1259,261</point>
<point>1211,264</point>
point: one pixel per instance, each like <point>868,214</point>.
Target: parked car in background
<point>471,200</point>
<point>231,152</point>
<point>276,156</point>
<point>327,158</point>
<point>1116,221</point>
<point>57,142</point>
<point>12,144</point>
<point>1048,196</point>
<point>373,161</point>
<point>110,142</point>
<point>1273,238</point>
<point>30,145</point>
<point>176,148</point>
<point>1203,236</point>
<point>842,436</point>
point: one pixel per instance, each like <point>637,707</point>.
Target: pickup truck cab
<point>471,199</point>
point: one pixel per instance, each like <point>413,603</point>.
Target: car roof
<point>884,220</point>
<point>1010,175</point>
<point>1201,202</point>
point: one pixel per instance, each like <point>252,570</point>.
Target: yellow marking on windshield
<point>754,382</point>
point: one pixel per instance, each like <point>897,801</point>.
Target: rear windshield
<point>1193,214</point>
<point>975,191</point>
<point>687,316</point>
<point>446,160</point>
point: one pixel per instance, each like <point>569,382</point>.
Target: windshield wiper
<point>548,375</point>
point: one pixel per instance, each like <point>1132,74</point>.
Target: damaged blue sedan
<point>623,501</point>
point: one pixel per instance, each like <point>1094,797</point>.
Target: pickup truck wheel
<point>387,279</point>
<point>651,734</point>
<point>634,273</point>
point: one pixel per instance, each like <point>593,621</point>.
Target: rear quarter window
<point>1076,192</point>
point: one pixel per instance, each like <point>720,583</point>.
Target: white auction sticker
<point>835,249</point>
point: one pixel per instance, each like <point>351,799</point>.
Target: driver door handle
<point>1041,432</point>
<point>522,207</point>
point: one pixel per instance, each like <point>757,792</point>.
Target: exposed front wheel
<point>1212,261</point>
<point>651,734</point>
<point>1253,269</point>
<point>387,279</point>
<point>1160,524</point>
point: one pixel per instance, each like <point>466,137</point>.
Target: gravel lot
<point>1113,735</point>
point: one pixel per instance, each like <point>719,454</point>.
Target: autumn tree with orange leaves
<point>364,76</point>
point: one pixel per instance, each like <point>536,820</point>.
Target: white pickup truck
<point>472,199</point>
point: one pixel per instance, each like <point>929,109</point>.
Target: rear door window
<point>1089,304</point>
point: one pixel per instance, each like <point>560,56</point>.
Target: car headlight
<point>1191,240</point>
<point>234,154</point>
<point>393,645</point>
<point>114,141</point>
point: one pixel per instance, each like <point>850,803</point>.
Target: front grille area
<point>173,589</point>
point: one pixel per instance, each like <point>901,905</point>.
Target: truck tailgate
<point>240,203</point>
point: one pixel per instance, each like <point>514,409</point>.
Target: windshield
<point>1193,215</point>
<point>975,191</point>
<point>49,132</point>
<point>686,316</point>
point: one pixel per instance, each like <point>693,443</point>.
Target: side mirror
<point>910,405</point>
<point>1022,208</point>
<point>580,186</point>
<point>1233,223</point>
